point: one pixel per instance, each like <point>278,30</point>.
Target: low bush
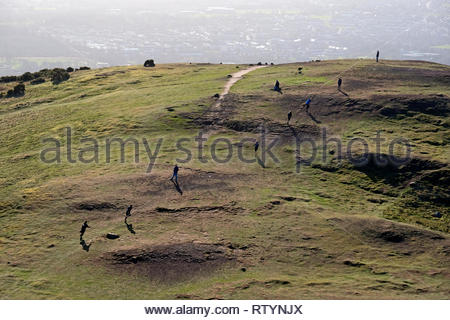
<point>149,63</point>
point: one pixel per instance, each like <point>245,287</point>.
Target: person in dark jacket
<point>378,55</point>
<point>84,226</point>
<point>175,174</point>
<point>128,213</point>
<point>256,146</point>
<point>289,117</point>
<point>277,87</point>
<point>339,83</point>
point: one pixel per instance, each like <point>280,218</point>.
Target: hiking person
<point>339,83</point>
<point>289,117</point>
<point>277,87</point>
<point>84,226</point>
<point>256,146</point>
<point>128,213</point>
<point>175,174</point>
<point>307,103</point>
<point>378,55</point>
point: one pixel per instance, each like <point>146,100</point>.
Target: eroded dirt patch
<point>215,118</point>
<point>433,104</point>
<point>384,233</point>
<point>115,192</point>
<point>226,208</point>
<point>94,205</point>
<point>381,167</point>
<point>174,262</point>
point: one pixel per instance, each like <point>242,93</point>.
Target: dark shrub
<point>38,81</point>
<point>85,68</point>
<point>27,76</point>
<point>7,79</point>
<point>18,91</point>
<point>59,75</point>
<point>149,63</point>
<point>44,73</point>
<point>69,69</point>
<point>259,63</point>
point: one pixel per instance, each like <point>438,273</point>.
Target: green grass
<point>296,249</point>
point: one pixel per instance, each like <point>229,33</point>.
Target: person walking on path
<point>339,84</point>
<point>175,174</point>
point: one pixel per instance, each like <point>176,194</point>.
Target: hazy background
<point>36,34</point>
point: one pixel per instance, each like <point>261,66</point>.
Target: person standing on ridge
<point>289,117</point>
<point>378,55</point>
<point>175,174</point>
<point>339,83</point>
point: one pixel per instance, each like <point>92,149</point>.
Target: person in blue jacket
<point>175,174</point>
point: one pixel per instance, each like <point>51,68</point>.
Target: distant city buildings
<point>214,34</point>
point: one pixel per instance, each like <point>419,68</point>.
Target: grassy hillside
<point>238,231</point>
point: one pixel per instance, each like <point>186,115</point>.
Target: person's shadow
<point>129,226</point>
<point>84,245</point>
<point>294,132</point>
<point>311,116</point>
<point>343,92</point>
<point>177,187</point>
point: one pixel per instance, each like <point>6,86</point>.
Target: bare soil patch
<point>93,205</point>
<point>173,262</point>
<point>405,238</point>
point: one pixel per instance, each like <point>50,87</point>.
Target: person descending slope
<point>289,117</point>
<point>339,83</point>
<point>84,226</point>
<point>378,55</point>
<point>175,174</point>
<point>256,146</point>
<point>277,87</point>
<point>128,213</point>
<point>307,104</point>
